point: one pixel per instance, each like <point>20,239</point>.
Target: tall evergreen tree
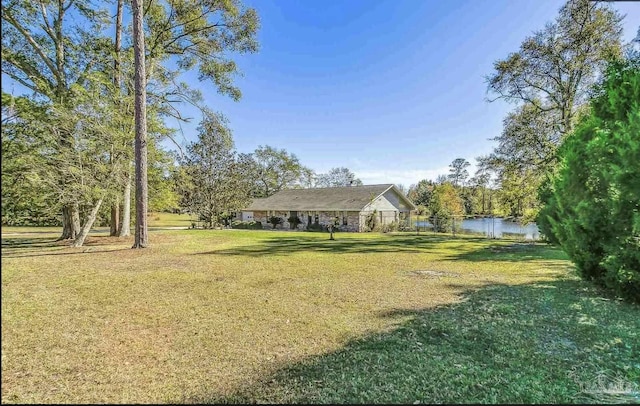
<point>217,180</point>
<point>592,208</point>
<point>458,173</point>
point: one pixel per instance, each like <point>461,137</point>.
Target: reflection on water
<point>495,228</point>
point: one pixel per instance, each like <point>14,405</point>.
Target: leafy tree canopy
<point>276,169</point>
<point>338,177</point>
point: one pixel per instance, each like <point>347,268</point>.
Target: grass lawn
<point>158,220</point>
<point>262,316</point>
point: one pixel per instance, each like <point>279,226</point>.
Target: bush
<point>250,225</point>
<point>390,227</point>
<point>316,227</point>
<point>592,207</point>
<point>442,222</point>
<point>256,225</point>
<point>27,219</point>
<point>406,226</point>
<point>372,222</point>
<point>274,221</point>
<point>294,222</point>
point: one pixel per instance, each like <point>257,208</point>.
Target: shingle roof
<point>350,198</point>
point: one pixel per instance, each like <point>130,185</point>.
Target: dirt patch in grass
<point>432,274</point>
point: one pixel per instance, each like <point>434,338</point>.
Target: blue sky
<point>393,90</point>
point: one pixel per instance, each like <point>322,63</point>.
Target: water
<point>495,227</point>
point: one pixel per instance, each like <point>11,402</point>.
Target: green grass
<point>263,316</point>
<point>155,221</point>
<point>171,220</point>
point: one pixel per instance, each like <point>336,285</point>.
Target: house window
<point>344,218</point>
<point>316,218</point>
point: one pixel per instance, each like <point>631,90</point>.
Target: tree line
<point>209,178</point>
<point>213,180</point>
<point>95,84</point>
<point>568,153</point>
<point>454,195</point>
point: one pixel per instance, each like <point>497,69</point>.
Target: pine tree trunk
<point>79,241</point>
<point>125,225</point>
<point>141,233</point>
<point>118,45</point>
<point>115,208</point>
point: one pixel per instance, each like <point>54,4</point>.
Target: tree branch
<point>22,82</point>
<point>187,33</point>
<point>9,18</point>
<point>45,18</point>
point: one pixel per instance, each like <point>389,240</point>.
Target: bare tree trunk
<point>125,225</point>
<point>70,222</point>
<point>75,218</point>
<point>67,224</point>
<point>141,235</point>
<point>66,229</point>
<point>87,225</point>
<point>114,228</point>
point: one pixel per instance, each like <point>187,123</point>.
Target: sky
<point>392,90</point>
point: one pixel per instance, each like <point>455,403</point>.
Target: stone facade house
<point>346,207</point>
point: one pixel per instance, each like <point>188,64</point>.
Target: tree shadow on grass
<point>552,342</point>
<point>12,233</point>
<point>512,251</point>
<point>290,245</point>
<point>31,242</point>
<point>19,247</point>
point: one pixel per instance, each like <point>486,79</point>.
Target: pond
<point>495,227</point>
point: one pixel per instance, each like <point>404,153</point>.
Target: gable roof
<point>349,198</point>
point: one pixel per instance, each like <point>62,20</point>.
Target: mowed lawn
<point>263,316</point>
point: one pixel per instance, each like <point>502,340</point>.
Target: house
<point>348,207</point>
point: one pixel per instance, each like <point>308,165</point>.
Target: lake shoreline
<point>493,227</point>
